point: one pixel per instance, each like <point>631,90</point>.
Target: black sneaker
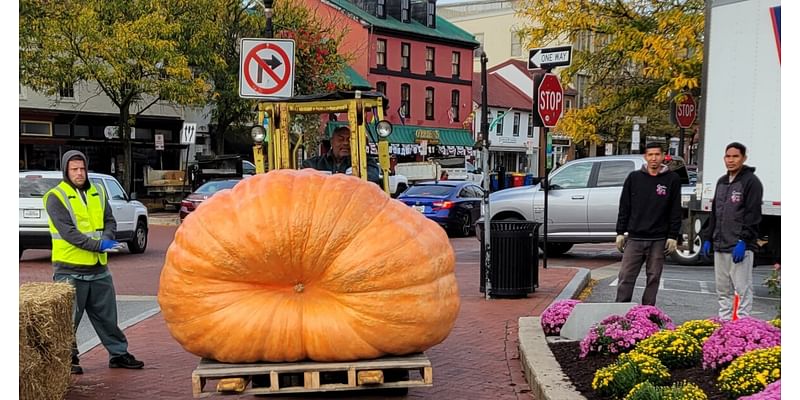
<point>76,366</point>
<point>126,360</point>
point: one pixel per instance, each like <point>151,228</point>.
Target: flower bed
<point>630,357</point>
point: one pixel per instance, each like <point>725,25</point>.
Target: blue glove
<point>738,251</point>
<point>106,244</point>
<point>706,250</point>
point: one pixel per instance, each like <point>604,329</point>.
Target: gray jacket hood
<point>65,160</point>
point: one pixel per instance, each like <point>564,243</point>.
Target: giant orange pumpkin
<point>294,265</point>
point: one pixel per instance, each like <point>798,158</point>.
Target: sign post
<point>685,114</point>
<point>548,104</point>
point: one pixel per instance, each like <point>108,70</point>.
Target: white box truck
<point>741,102</point>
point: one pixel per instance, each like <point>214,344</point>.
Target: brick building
<point>420,61</point>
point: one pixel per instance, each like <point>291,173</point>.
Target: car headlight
<point>384,128</point>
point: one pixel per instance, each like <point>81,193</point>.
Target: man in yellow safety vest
<point>82,231</point>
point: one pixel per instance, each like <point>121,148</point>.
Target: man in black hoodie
<point>732,231</point>
<point>650,211</point>
<point>82,231</point>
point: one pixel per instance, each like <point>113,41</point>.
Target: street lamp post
<point>268,15</point>
<point>487,223</point>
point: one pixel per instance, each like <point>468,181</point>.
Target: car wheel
<point>461,226</point>
<point>691,254</point>
<point>138,244</point>
<point>556,249</point>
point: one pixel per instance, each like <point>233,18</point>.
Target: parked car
<point>34,232</point>
<point>206,190</point>
<point>454,205</point>
<point>584,200</point>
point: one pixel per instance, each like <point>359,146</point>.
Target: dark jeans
<point>650,252</point>
<point>99,300</point>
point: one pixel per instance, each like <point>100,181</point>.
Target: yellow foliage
<point>636,53</point>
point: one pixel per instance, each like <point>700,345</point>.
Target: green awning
<point>410,134</point>
<point>357,82</point>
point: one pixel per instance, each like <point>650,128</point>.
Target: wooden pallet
<point>309,376</point>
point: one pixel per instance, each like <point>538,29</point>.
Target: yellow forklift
<point>364,114</point>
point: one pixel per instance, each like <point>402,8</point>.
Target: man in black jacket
<point>732,231</point>
<point>650,211</point>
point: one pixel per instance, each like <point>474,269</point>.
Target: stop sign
<point>685,111</point>
<point>550,101</point>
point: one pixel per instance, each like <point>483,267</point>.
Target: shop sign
<point>431,135</point>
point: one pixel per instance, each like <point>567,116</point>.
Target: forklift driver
<point>337,159</point>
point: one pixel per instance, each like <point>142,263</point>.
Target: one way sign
<point>549,57</point>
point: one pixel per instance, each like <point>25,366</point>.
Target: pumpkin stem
<point>299,288</point>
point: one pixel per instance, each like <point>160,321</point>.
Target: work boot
<point>76,366</point>
<point>126,360</point>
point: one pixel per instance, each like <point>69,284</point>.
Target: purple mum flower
<point>555,315</point>
<point>735,338</point>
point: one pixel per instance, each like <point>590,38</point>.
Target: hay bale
<point>45,339</point>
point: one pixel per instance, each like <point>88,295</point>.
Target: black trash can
<point>515,258</point>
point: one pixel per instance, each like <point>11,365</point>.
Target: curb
<point>576,285</point>
<point>164,221</point>
<point>545,377</point>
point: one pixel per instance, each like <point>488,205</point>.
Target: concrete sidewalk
<point>479,360</point>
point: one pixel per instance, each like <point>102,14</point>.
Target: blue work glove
<point>106,244</point>
<point>706,250</point>
<point>738,251</point>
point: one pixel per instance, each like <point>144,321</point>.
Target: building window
<point>381,53</point>
<point>67,91</point>
<point>430,56</point>
<point>530,125</point>
<point>431,14</point>
<point>567,104</point>
<point>499,127</point>
<point>381,10</point>
<point>456,64</point>
<point>479,50</point>
<point>429,103</point>
<point>515,132</point>
<point>516,44</point>
<point>455,99</point>
<point>405,56</point>
<point>381,87</point>
<point>405,10</point>
<point>405,100</point>
<point>35,128</point>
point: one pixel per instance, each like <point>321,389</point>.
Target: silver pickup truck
<point>584,202</point>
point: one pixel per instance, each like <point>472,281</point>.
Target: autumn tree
<point>139,52</point>
<point>637,55</point>
<point>318,66</point>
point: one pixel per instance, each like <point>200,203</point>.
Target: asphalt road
<point>687,292</point>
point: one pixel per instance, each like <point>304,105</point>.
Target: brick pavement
<point>479,360</point>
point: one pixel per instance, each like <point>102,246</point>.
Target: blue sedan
<point>454,205</point>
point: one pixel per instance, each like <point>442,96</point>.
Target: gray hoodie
<point>62,220</point>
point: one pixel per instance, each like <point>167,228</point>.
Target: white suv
<point>34,233</point>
